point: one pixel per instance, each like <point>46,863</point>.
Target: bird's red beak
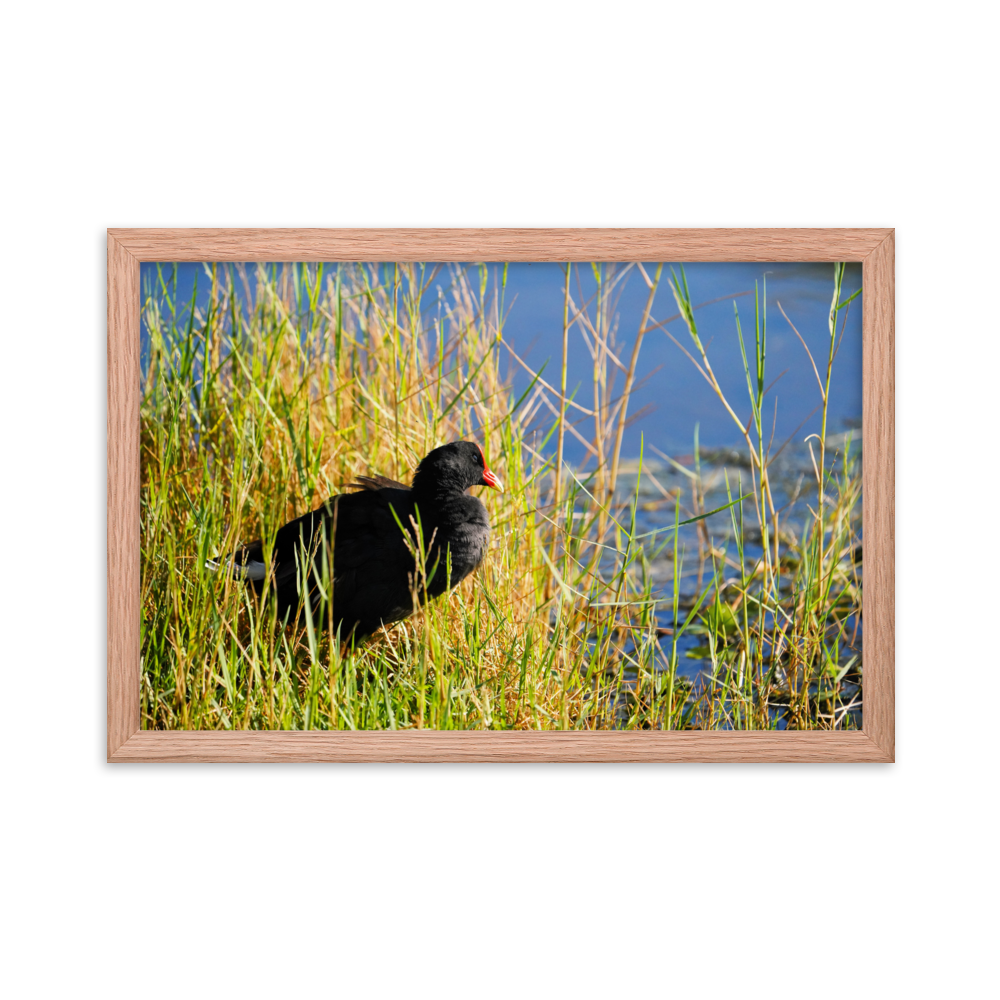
<point>489,479</point>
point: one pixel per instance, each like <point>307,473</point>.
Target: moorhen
<point>374,571</point>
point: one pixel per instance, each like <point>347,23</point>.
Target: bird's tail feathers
<point>252,569</point>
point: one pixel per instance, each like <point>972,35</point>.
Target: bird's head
<point>456,466</point>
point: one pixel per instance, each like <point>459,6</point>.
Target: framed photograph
<point>501,495</point>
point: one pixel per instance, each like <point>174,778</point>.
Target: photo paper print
<point>501,496</point>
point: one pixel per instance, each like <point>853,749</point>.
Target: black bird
<point>374,570</point>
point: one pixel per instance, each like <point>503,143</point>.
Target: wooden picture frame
<point>127,248</point>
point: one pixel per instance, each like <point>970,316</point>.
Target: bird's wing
<point>305,533</point>
<point>372,564</point>
<point>376,483</point>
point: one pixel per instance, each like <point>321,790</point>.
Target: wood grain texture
<point>123,495</point>
<point>442,747</point>
<point>500,244</point>
<point>879,513</point>
<point>127,247</point>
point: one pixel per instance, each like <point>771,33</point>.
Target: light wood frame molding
<point>875,248</point>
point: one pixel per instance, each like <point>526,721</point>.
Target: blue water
<point>677,393</point>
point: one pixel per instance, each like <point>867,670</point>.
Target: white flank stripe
<point>252,570</point>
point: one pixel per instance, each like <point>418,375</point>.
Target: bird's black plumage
<point>374,570</point>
